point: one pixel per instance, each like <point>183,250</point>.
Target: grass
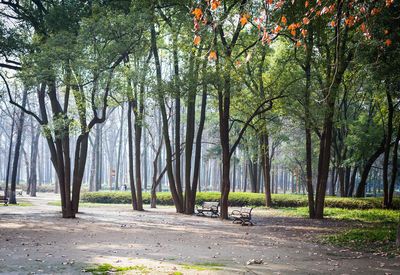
<point>375,231</point>
<point>19,204</point>
<point>241,199</point>
<point>199,268</point>
<point>107,268</point>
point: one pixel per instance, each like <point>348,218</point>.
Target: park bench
<point>4,200</point>
<point>208,206</point>
<point>242,216</point>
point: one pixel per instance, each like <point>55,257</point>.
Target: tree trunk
<point>352,183</point>
<point>190,125</point>
<point>394,168</point>
<point>17,148</point>
<point>9,156</point>
<point>130,157</point>
<point>197,157</point>
<point>139,113</point>
<point>385,165</point>
<point>365,171</point>
<point>34,154</point>
<point>117,175</point>
<point>175,190</point>
<point>265,163</point>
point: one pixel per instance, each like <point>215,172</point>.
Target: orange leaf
<point>298,43</point>
<point>333,23</point>
<point>306,4</point>
<point>388,42</point>
<point>213,55</point>
<point>304,32</point>
<point>306,21</point>
<point>293,32</point>
<point>386,31</point>
<point>238,64</point>
<point>197,13</point>
<point>284,20</point>
<point>244,20</point>
<point>196,39</point>
<point>215,4</point>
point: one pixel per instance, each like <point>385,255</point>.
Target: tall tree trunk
<point>265,164</point>
<point>17,148</point>
<point>139,113</point>
<point>6,193</point>
<point>352,183</point>
<point>118,168</point>
<point>190,125</point>
<point>34,154</point>
<point>197,157</point>
<point>394,168</point>
<point>365,171</point>
<point>130,156</point>
<point>385,165</point>
<point>175,190</point>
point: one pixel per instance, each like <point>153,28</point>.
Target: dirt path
<point>34,239</point>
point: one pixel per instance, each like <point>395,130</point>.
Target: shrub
<point>242,199</point>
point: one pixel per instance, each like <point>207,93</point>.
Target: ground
<point>36,240</point>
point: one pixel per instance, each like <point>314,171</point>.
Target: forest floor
<point>36,240</point>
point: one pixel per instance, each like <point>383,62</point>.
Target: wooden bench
<point>208,206</point>
<point>242,216</point>
<point>3,200</point>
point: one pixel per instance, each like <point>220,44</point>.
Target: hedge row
<point>241,199</point>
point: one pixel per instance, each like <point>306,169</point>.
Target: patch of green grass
<point>177,273</point>
<point>106,268</point>
<point>209,264</point>
<point>367,215</point>
<point>197,267</point>
<point>241,199</point>
<point>376,228</point>
<point>20,204</point>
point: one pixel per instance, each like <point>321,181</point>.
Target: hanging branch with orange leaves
<point>359,15</point>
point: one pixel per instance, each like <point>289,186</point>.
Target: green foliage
<point>242,199</point>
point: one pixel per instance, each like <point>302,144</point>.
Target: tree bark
<point>130,157</point>
<point>394,168</point>
<point>176,195</point>
<point>266,167</point>
<point>197,157</point>
<point>17,148</point>
<point>385,165</point>
<point>367,167</point>
<point>34,154</point>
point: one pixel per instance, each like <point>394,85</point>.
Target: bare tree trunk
<point>197,157</point>
<point>9,155</point>
<point>394,169</point>
<point>118,168</point>
<point>265,164</point>
<point>17,148</point>
<point>34,154</point>
<point>385,165</point>
<point>352,183</point>
<point>176,190</point>
<point>130,150</point>
<point>365,171</point>
<point>139,113</point>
